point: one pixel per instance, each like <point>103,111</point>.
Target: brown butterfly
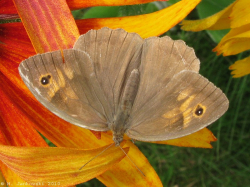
<point>114,80</point>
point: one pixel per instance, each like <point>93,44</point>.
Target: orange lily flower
<point>48,26</point>
<point>236,18</point>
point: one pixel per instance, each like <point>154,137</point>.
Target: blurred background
<point>228,163</point>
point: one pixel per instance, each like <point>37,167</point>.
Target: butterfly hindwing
<point>188,103</point>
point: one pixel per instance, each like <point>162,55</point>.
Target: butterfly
<point>149,89</point>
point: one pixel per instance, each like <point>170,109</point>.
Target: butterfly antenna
<point>97,155</point>
<point>132,161</point>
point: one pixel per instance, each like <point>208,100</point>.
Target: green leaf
<point>102,12</point>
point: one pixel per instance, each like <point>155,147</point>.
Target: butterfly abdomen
<point>119,125</point>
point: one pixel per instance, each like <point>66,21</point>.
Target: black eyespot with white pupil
<point>199,111</point>
<point>45,80</point>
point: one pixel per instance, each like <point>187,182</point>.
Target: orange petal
<point>240,14</point>
<point>49,26</point>
<point>234,42</point>
<point>16,128</point>
<point>240,68</point>
<point>146,25</point>
<point>217,21</point>
<point>59,166</point>
<point>201,139</point>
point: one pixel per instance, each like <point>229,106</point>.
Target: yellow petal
<point>217,21</point>
<point>58,165</point>
<point>240,14</point>
<point>234,42</point>
<point>11,178</point>
<point>201,138</point>
<point>240,68</point>
<point>146,25</point>
<point>126,174</point>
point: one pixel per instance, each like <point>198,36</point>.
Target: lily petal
<point>60,166</point>
<point>240,14</point>
<point>217,21</point>
<point>234,42</point>
<point>201,138</point>
<point>240,68</point>
<point>153,24</point>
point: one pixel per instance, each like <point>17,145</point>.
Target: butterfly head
<point>118,138</point>
<point>118,133</point>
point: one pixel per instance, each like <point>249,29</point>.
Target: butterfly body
<point>119,125</point>
<point>114,80</point>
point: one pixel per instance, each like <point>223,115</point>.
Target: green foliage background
<point>228,163</point>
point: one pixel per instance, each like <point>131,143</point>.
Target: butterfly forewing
<point>69,87</point>
<point>188,103</point>
<point>161,59</point>
<point>115,54</point>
